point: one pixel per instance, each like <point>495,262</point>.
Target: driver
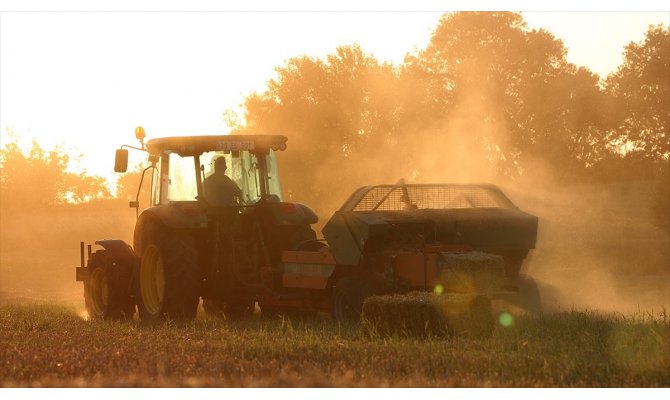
<point>219,189</point>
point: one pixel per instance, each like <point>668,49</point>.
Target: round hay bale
<point>421,314</point>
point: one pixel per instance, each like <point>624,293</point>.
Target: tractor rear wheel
<point>349,294</point>
<point>167,281</point>
<point>107,289</point>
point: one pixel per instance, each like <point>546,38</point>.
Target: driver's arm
<point>238,194</point>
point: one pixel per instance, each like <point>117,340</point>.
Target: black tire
<point>107,291</point>
<point>524,296</point>
<point>529,295</point>
<point>349,293</point>
<point>167,279</point>
<point>229,310</point>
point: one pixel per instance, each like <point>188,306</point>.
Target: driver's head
<point>219,164</point>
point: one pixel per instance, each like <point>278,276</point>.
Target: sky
<point>87,79</point>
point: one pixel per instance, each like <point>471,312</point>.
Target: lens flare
<point>438,289</point>
<point>506,320</point>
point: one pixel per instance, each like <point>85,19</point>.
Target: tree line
<point>487,95</point>
<point>487,99</point>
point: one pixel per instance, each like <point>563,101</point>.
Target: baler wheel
<point>349,294</point>
<point>530,299</point>
<point>525,299</point>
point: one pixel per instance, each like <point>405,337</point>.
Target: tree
<point>488,98</point>
<point>641,94</point>
<point>660,205</point>
<point>40,178</point>
<point>638,140</point>
<point>508,94</point>
<point>336,111</point>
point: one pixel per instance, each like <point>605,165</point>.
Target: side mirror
<point>121,160</point>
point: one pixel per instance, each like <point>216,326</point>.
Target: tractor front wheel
<point>107,289</point>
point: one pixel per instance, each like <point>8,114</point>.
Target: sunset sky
<point>86,79</point>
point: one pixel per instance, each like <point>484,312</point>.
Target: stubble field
<point>47,345</point>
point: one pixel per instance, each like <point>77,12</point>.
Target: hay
<point>422,314</point>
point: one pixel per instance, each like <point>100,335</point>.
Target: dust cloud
<point>597,246</point>
<point>39,248</point>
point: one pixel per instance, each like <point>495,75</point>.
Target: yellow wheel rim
<point>99,292</point>
<point>152,280</point>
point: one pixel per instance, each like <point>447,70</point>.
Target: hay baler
<point>390,239</point>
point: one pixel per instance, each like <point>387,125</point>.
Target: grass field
<point>49,345</point>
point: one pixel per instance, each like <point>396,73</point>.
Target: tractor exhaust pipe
<point>81,251</point>
<point>81,272</point>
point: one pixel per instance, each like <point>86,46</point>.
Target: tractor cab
<point>185,165</point>
<point>191,175</point>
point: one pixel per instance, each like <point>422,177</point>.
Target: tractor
<point>255,248</point>
<point>186,246</point>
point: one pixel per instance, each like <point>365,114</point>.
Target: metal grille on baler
<point>394,198</point>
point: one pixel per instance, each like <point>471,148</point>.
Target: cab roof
<point>193,145</point>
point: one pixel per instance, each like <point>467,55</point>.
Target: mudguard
<point>119,250</point>
<point>283,213</point>
<point>174,216</point>
<point>118,247</point>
